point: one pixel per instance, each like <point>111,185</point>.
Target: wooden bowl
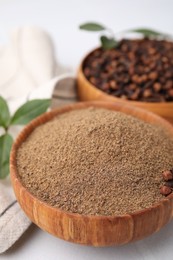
<point>89,229</point>
<point>88,92</point>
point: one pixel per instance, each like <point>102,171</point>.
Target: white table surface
<point>61,20</point>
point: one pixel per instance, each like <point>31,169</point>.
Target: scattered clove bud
<point>165,190</point>
<point>167,175</point>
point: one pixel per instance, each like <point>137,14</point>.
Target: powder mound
<point>96,161</point>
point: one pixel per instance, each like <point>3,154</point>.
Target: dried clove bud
<point>157,86</point>
<point>164,190</point>
<point>167,175</point>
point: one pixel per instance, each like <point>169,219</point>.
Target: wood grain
<point>88,92</point>
<point>85,229</point>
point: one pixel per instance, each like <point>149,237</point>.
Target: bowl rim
<point>45,117</point>
<point>131,102</point>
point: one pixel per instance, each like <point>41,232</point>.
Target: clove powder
<point>96,161</point>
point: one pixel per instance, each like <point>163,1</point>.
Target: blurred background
<point>61,19</point>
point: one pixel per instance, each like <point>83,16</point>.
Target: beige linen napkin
<point>26,64</point>
<point>13,221</point>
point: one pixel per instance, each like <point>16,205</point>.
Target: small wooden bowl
<point>88,92</point>
<point>89,229</point>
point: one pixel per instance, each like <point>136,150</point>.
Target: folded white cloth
<point>25,64</point>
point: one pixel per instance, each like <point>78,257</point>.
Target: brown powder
<point>96,161</point>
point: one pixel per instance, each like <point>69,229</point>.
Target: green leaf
<point>4,113</point>
<point>29,111</point>
<point>148,32</point>
<point>5,147</point>
<point>108,43</point>
<point>92,27</point>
